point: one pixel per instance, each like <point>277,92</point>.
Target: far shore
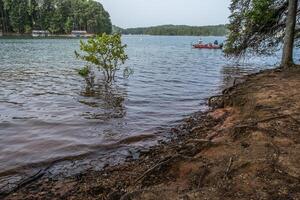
<point>29,35</point>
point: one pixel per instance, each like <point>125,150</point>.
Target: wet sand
<point>247,146</point>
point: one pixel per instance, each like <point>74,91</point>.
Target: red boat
<point>207,46</point>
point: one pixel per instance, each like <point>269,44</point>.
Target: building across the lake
<point>79,33</point>
<point>40,33</point>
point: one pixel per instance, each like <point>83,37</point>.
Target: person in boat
<point>200,41</point>
<point>216,42</point>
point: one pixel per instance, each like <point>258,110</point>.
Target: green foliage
<point>56,16</point>
<point>218,30</point>
<point>116,29</point>
<point>256,26</point>
<point>68,26</point>
<point>261,12</point>
<point>105,52</point>
<point>84,72</point>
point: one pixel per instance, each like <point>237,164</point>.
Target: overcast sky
<point>139,13</point>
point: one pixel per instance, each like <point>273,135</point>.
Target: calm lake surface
<point>46,113</point>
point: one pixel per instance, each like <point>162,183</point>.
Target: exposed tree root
<point>250,149</point>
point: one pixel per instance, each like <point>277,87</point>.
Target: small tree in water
<point>106,53</point>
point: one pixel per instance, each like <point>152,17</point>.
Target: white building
<point>79,33</point>
<point>40,33</point>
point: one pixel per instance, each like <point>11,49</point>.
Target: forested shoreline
<point>214,30</point>
<point>55,16</point>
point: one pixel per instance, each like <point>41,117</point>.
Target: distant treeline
<point>218,30</point>
<point>56,16</point>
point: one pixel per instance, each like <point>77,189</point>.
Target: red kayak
<point>206,46</point>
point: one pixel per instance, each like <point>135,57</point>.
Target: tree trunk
<point>287,55</point>
<point>2,17</point>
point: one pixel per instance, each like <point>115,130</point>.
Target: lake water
<point>47,115</point>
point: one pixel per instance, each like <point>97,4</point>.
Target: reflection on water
<point>109,97</point>
<point>231,73</point>
<point>47,114</point>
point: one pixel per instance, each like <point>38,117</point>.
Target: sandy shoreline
<point>246,147</point>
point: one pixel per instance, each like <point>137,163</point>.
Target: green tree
<point>56,16</point>
<point>105,52</point>
<point>218,30</point>
<point>14,15</point>
<point>261,26</point>
<point>68,25</point>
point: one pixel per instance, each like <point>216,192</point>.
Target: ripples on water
<point>46,113</point>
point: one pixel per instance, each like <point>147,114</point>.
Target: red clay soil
<point>248,149</point>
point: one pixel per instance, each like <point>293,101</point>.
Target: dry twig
<point>164,162</point>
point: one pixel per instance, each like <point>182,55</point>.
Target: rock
<point>216,101</point>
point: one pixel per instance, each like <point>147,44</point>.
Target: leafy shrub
<point>84,72</point>
<point>106,53</point>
